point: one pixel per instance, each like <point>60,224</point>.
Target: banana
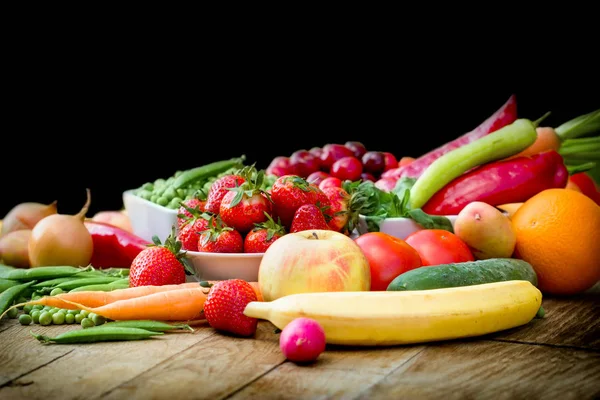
<point>379,318</point>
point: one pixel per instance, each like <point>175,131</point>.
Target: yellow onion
<point>26,215</point>
<point>61,239</point>
<point>14,248</point>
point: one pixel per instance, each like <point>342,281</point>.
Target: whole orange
<point>558,234</point>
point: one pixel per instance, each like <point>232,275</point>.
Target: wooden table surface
<point>557,357</point>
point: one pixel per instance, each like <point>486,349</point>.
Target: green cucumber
<point>464,274</point>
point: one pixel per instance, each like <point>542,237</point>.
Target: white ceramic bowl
<point>147,218</point>
<point>398,227</point>
<point>220,266</point>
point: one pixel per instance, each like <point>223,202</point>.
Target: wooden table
<point>557,357</point>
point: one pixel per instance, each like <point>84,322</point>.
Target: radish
<point>302,340</point>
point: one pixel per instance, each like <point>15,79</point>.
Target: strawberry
<point>288,193</point>
<point>247,204</point>
<point>158,264</point>
<point>337,211</point>
<point>218,190</point>
<point>220,238</point>
<point>191,207</point>
<point>308,216</point>
<point>189,233</point>
<point>263,235</point>
<point>225,304</point>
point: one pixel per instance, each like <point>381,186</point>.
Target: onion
<point>26,215</point>
<point>13,248</point>
<point>62,239</point>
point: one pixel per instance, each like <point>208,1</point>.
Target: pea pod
<point>40,273</point>
<point>6,283</point>
<point>74,283</point>
<point>106,287</point>
<point>51,283</point>
<point>150,325</point>
<point>98,334</point>
<point>206,170</point>
<point>500,144</point>
<point>7,298</point>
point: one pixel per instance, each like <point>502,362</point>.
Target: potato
<point>486,230</point>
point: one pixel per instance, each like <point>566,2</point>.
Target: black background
<point>110,125</point>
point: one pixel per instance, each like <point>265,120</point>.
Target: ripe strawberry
<point>189,233</point>
<point>247,204</point>
<point>288,193</point>
<point>159,264</point>
<point>191,207</point>
<point>218,190</point>
<point>337,211</point>
<point>263,235</point>
<point>219,238</point>
<point>308,216</point>
<point>225,304</point>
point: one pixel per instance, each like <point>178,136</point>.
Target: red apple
<point>313,261</point>
<point>373,162</point>
<point>330,181</point>
<point>280,166</point>
<point>347,168</point>
<point>389,160</point>
<point>304,163</point>
<point>317,177</point>
<point>357,148</point>
<point>333,152</point>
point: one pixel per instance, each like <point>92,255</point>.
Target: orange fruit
<point>557,233</point>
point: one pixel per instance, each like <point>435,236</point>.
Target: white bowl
<point>221,266</point>
<point>147,218</point>
<point>398,227</point>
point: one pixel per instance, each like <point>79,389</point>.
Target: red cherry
<point>357,148</point>
<point>373,162</point>
<point>330,181</point>
<point>347,168</point>
<point>390,161</point>
<point>331,153</point>
<point>317,177</point>
<point>304,162</point>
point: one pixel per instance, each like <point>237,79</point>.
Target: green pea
<point>175,203</point>
<point>87,323</point>
<point>159,182</point>
<point>21,300</point>
<point>25,319</point>
<point>27,309</point>
<point>162,201</point>
<point>47,308</point>
<point>58,318</point>
<point>73,312</point>
<point>56,291</point>
<point>12,312</point>
<point>146,195</point>
<point>154,198</point>
<point>181,193</point>
<point>79,318</point>
<point>85,313</point>
<point>35,316</point>
<point>148,186</point>
<point>69,318</point>
<point>45,318</point>
<point>38,307</point>
<point>98,319</point>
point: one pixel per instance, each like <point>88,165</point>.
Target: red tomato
<point>438,246</point>
<point>347,168</point>
<point>388,257</point>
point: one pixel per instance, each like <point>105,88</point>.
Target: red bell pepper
<point>505,115</point>
<point>113,247</point>
<point>506,181</point>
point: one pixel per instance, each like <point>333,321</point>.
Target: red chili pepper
<point>505,115</point>
<point>506,181</point>
<point>586,185</point>
<point>113,247</point>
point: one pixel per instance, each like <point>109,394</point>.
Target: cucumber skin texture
<point>464,274</point>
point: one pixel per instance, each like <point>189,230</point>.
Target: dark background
<point>110,125</point>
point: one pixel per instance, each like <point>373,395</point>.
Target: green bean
<point>8,297</point>
<point>150,325</point>
<point>98,334</point>
<point>37,274</point>
<point>6,283</point>
<point>206,170</point>
<point>69,285</point>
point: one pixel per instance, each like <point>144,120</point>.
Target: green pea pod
<point>150,325</point>
<point>40,273</point>
<point>74,283</point>
<point>98,334</point>
<point>106,287</point>
<point>504,142</point>
<point>6,283</point>
<point>7,297</point>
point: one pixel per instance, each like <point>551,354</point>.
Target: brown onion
<point>26,215</point>
<point>61,239</point>
<point>14,248</point>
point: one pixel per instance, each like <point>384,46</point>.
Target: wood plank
<point>89,370</point>
<point>493,370</point>
<point>570,321</point>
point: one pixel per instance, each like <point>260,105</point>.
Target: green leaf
<point>430,221</point>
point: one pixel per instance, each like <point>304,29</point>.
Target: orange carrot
<point>547,139</point>
<point>405,161</point>
<point>171,305</point>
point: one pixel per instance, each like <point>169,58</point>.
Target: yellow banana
<point>403,317</point>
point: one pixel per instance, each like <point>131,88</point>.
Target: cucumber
<point>464,274</point>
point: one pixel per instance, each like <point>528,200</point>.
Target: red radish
<point>330,181</point>
<point>302,340</point>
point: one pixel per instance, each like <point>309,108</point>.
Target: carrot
<point>405,161</point>
<point>172,305</point>
<point>547,139</point>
